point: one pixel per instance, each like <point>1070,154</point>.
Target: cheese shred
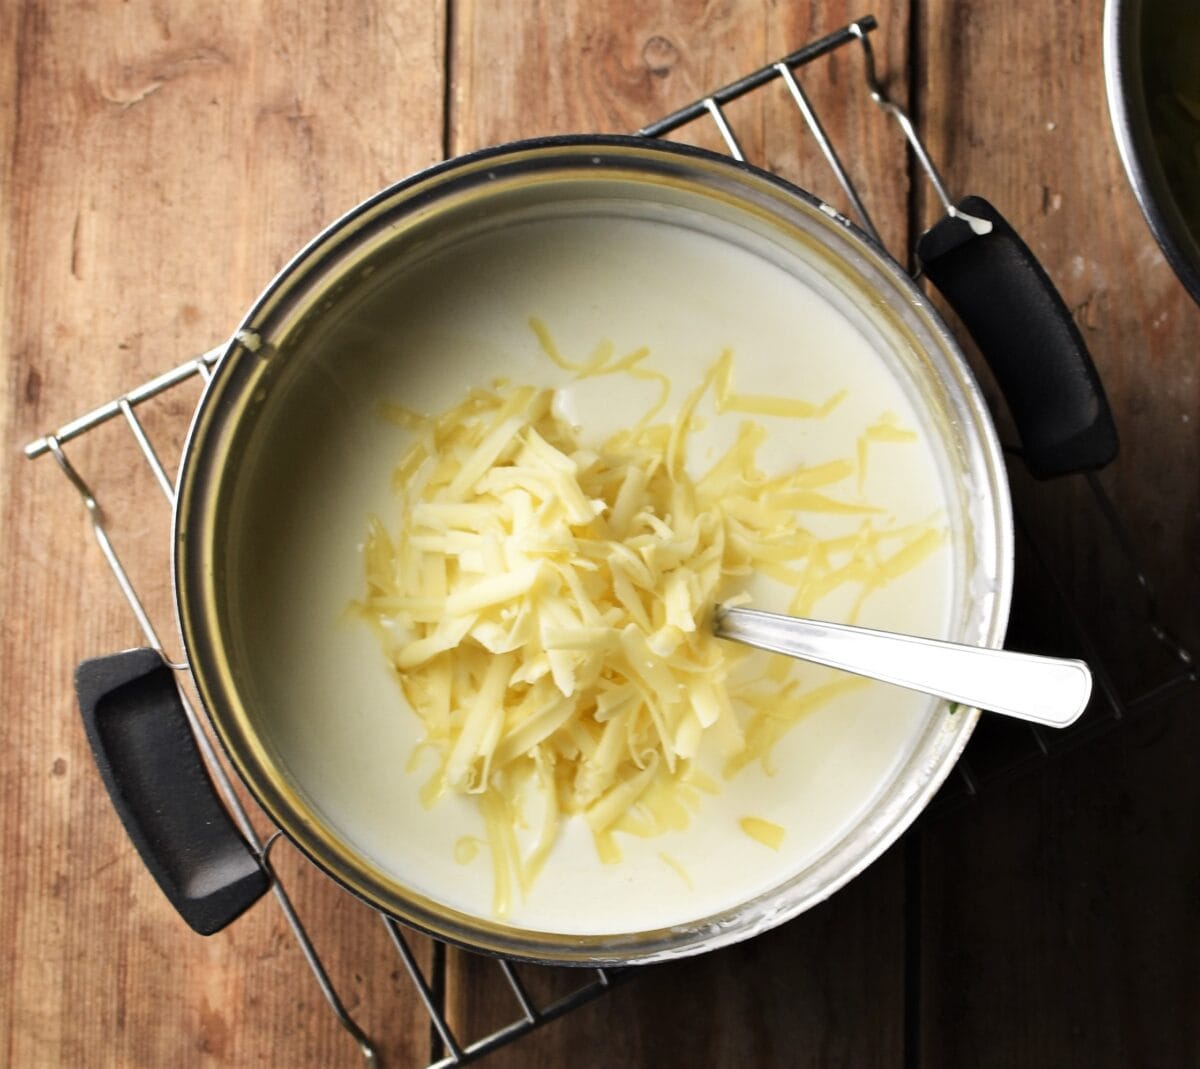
<point>547,606</point>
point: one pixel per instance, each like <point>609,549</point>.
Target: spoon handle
<point>1046,690</point>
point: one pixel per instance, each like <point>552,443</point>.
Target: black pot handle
<point>1027,335</point>
<point>151,766</point>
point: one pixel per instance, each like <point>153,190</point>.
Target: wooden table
<point>162,161</point>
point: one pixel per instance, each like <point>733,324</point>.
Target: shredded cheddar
<point>763,831</point>
<point>547,606</point>
<point>674,865</point>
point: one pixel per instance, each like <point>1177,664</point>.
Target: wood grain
<point>1059,922</point>
<point>162,162</point>
<point>1047,158</point>
<point>825,989</point>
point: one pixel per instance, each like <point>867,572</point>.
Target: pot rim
<point>194,565</point>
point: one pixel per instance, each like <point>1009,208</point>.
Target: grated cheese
<point>763,831</point>
<point>547,606</point>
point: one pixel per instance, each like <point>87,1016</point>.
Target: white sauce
<point>346,735</point>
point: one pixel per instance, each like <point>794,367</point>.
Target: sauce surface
<point>329,704</point>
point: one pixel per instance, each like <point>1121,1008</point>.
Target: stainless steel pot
<point>241,431</point>
<point>1148,45</point>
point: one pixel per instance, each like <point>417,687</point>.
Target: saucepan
<point>286,450</point>
<point>1150,70</point>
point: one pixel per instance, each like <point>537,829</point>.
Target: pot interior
<point>429,291</point>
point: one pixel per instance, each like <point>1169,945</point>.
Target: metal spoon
<point>1046,690</point>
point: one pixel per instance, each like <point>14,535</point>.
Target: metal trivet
<point>1020,746</point>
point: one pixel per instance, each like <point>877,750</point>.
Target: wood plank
<point>828,988</point>
<point>1058,924</point>
<point>824,989</point>
<point>162,164</point>
<point>1059,912</point>
<point>1047,158</point>
<point>610,68</point>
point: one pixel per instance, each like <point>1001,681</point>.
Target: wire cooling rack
<point>999,748</point>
